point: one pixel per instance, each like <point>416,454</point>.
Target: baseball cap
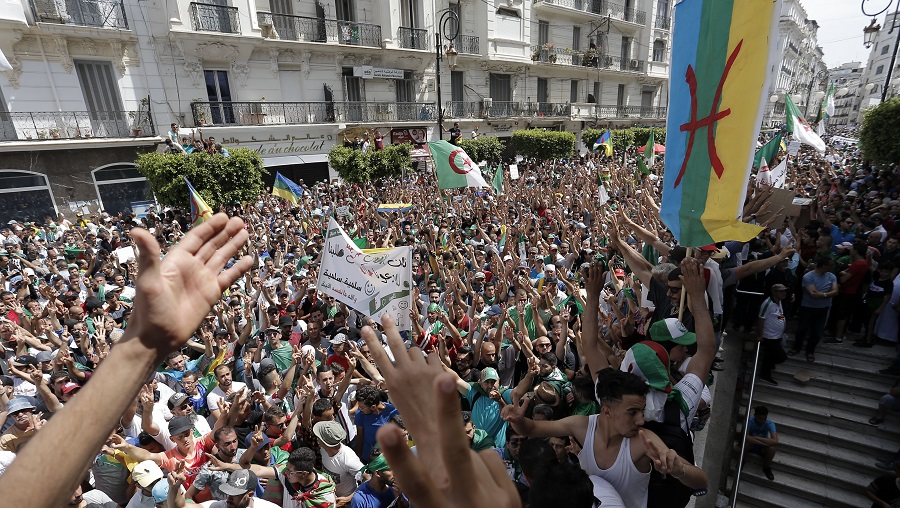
<point>26,360</point>
<point>19,404</point>
<point>339,338</point>
<point>495,310</point>
<point>489,373</point>
<point>179,424</point>
<point>146,472</point>
<point>709,248</point>
<point>331,433</point>
<point>160,492</point>
<point>44,356</point>
<point>845,245</point>
<point>285,321</point>
<point>479,275</point>
<point>779,287</point>
<point>239,482</point>
<point>177,400</point>
<point>671,329</point>
<point>267,364</point>
<point>70,387</point>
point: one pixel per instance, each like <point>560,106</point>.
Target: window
<point>662,8</point>
<point>879,70</point>
<point>573,91</point>
<point>354,92</point>
<point>25,196</point>
<point>626,50</point>
<point>501,93</point>
<point>453,25</point>
<point>542,92</point>
<point>457,95</point>
<point>346,10</point>
<point>409,13</point>
<point>620,95</point>
<point>101,97</point>
<point>576,38</point>
<point>406,96</point>
<point>659,51</point>
<point>884,49</point>
<point>543,32</point>
<point>122,188</point>
<point>218,91</point>
<point>596,94</point>
<point>506,11</point>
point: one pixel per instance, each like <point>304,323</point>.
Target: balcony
<point>302,113</point>
<point>469,45</point>
<point>307,29</point>
<point>649,112</point>
<point>589,59</point>
<point>96,13</point>
<point>662,22</point>
<point>413,38</point>
<point>512,109</point>
<point>47,125</point>
<point>577,6</point>
<point>463,109</point>
<point>215,18</point>
<point>619,12</point>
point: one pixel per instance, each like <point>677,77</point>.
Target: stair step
<point>800,445</point>
<point>817,492</point>
<point>783,404</point>
<point>824,396</point>
<point>829,470</point>
<point>878,353</point>
<point>837,381</point>
<point>835,360</point>
<point>756,495</point>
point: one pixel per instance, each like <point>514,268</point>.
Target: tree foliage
<point>483,148</point>
<point>880,131</point>
<point>356,166</point>
<point>622,138</point>
<point>543,145</point>
<point>220,180</point>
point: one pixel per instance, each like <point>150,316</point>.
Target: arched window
<point>659,51</point>
<point>122,188</point>
<point>25,196</point>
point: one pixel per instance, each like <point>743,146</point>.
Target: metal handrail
<point>740,466</point>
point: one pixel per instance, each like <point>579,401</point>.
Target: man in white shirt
<point>769,331</point>
<point>226,386</point>
<point>338,460</point>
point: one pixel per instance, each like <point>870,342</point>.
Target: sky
<point>841,24</point>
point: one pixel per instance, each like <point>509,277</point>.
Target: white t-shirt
<point>201,428</point>
<point>772,315</point>
<point>217,394</point>
<point>343,468</point>
<point>98,499</point>
<point>255,502</point>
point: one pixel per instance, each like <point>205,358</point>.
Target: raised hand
<point>664,459</point>
<point>514,412</point>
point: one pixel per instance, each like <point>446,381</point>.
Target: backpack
<point>667,492</point>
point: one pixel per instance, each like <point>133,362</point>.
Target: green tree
<point>356,166</point>
<point>542,144</point>
<point>880,131</point>
<point>219,180</point>
<point>590,135</point>
<point>633,136</point>
<point>483,148</point>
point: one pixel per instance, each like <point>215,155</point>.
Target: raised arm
<point>695,284</point>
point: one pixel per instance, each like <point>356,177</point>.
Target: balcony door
<point>218,91</point>
<point>101,97</point>
<point>457,95</point>
<point>283,22</point>
<point>354,96</point>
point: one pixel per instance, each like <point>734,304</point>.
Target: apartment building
<point>95,83</point>
<point>874,77</point>
<point>847,90</point>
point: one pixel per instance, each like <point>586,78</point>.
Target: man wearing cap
<point>770,331</point>
<point>338,459</point>
<point>485,399</point>
<point>146,475</point>
<point>212,484</point>
<point>180,405</point>
<point>381,491</point>
<point>25,424</point>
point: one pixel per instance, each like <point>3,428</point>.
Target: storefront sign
<point>369,72</point>
<point>415,135</point>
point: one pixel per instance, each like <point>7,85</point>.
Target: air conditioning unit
<point>635,64</point>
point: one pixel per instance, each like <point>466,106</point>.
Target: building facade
<point>95,83</point>
<point>846,80</point>
<point>802,71</point>
<point>874,77</point>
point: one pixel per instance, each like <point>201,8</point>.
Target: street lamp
<point>446,28</point>
<point>871,32</point>
<point>843,91</point>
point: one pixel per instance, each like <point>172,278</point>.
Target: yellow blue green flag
<point>721,53</point>
<point>200,211</point>
<point>285,188</point>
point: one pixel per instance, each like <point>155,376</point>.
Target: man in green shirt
<point>280,351</point>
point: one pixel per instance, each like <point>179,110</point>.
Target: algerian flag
<point>797,126</point>
<point>764,176</point>
<point>648,150</point>
<point>604,196</point>
<point>828,103</point>
<point>453,166</point>
<point>497,182</point>
<point>769,150</point>
<point>820,129</point>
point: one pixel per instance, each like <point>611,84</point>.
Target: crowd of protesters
<point>569,339</point>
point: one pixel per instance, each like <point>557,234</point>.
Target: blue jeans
<point>811,321</point>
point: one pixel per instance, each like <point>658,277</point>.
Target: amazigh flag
<point>453,166</point>
<point>497,182</point>
<point>722,51</point>
<point>605,140</point>
<point>768,151</point>
<point>797,126</point>
<point>284,188</point>
<point>200,211</point>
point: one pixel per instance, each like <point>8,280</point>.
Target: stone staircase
<point>826,448</point>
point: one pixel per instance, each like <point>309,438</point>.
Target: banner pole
<point>690,253</point>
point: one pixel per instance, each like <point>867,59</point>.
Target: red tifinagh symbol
<point>694,125</point>
<point>467,162</point>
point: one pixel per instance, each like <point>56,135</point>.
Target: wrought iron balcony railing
<point>413,38</point>
<point>619,12</point>
<point>663,22</point>
<point>513,109</point>
<point>215,18</point>
<point>653,112</point>
<point>96,13</point>
<point>463,109</point>
<point>303,28</point>
<point>46,125</point>
<point>293,113</point>
<point>469,44</point>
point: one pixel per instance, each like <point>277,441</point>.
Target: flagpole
<point>690,253</point>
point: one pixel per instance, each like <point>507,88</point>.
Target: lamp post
<point>871,32</point>
<point>441,31</point>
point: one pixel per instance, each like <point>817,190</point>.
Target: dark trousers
<point>811,321</point>
<point>772,354</point>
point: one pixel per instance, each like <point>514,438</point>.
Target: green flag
<point>453,167</point>
<point>648,150</point>
<point>768,151</point>
<point>497,182</point>
<point>361,242</point>
<point>642,166</point>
